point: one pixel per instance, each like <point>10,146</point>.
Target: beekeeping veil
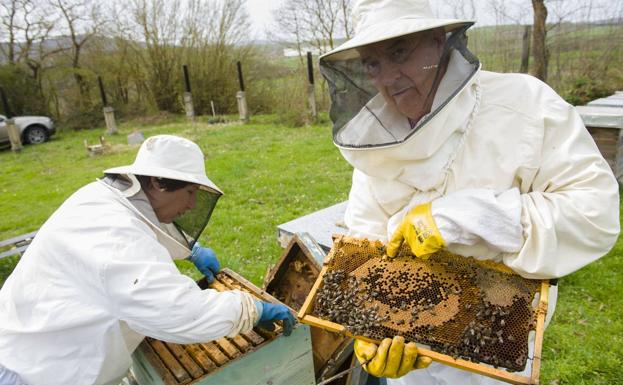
<point>362,117</point>
<point>173,157</point>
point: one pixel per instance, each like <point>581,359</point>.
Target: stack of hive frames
<point>178,364</point>
<point>290,281</point>
<point>465,309</point>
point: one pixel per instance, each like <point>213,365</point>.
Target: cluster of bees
<point>417,291</point>
<point>341,299</point>
<point>454,316</point>
<point>488,338</point>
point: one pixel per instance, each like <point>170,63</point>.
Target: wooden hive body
<point>255,357</point>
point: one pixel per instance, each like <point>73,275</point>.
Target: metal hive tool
<point>470,311</point>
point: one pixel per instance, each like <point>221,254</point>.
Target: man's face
<point>403,70</point>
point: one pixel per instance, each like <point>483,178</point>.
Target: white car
<point>33,129</point>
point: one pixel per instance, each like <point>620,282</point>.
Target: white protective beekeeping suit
<point>512,173</point>
<point>99,276</point>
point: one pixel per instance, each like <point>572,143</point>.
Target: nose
<point>191,201</point>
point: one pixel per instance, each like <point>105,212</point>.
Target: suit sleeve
<point>145,289</point>
<point>570,216</point>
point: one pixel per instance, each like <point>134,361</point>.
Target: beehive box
<point>474,315</point>
<point>258,356</point>
<point>605,124</point>
<point>290,281</point>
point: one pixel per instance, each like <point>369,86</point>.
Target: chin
<point>412,112</point>
<point>166,220</point>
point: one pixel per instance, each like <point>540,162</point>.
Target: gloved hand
<point>419,230</point>
<point>392,358</point>
<point>271,312</point>
<point>205,260</point>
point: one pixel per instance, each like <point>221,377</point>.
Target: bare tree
<point>10,10</point>
<point>462,9</point>
<point>539,49</point>
<point>212,42</point>
<point>38,23</point>
<point>202,34</point>
<point>318,23</point>
<point>82,21</point>
<point>160,30</point>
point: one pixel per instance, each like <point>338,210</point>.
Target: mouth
<point>401,91</point>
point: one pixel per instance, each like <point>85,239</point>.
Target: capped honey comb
<point>479,311</point>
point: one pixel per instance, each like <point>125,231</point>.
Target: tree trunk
<point>525,50</point>
<point>539,50</point>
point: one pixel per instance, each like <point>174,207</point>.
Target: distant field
<point>271,174</point>
<point>577,52</point>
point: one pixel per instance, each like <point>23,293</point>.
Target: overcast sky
<point>261,15</point>
<point>520,11</point>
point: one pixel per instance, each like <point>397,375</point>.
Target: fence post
<point>243,111</point>
<point>109,112</point>
<point>12,130</point>
<point>188,96</point>
<point>525,50</point>
<point>311,93</point>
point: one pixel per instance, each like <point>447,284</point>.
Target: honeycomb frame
<point>496,309</point>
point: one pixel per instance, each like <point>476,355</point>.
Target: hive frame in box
<point>306,317</point>
<point>293,277</point>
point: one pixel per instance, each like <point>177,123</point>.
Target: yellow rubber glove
<point>420,231</point>
<point>392,358</point>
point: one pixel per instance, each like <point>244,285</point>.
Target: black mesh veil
<point>192,223</point>
<point>361,114</point>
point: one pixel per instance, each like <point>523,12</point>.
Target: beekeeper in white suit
<point>446,155</point>
<point>99,275</point>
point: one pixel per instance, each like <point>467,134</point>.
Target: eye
<point>372,67</point>
<point>399,54</point>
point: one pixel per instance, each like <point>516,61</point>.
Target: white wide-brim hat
<point>171,157</point>
<point>378,20</point>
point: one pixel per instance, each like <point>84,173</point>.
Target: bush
<point>22,91</point>
<point>77,119</point>
<point>583,90</point>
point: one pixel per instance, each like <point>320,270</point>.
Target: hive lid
<point>601,116</point>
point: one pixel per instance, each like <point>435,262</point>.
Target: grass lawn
<point>272,174</point>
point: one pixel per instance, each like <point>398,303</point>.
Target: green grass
<point>271,174</point>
